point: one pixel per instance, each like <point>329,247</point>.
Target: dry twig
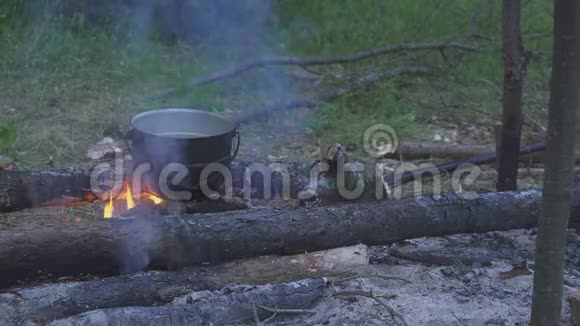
<point>384,277</point>
<point>324,60</point>
<point>398,319</point>
<point>319,60</point>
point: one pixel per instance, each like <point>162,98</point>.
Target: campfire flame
<point>152,197</point>
<point>127,195</point>
<point>109,208</point>
<point>130,201</point>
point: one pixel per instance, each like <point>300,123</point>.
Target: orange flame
<point>109,208</point>
<point>127,195</point>
<point>130,201</point>
<point>155,199</point>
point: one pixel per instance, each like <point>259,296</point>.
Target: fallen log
<point>30,189</point>
<point>426,150</point>
<point>243,306</point>
<point>112,246</point>
<point>32,305</point>
<point>408,176</point>
<point>27,189</point>
<point>72,187</point>
<point>537,172</point>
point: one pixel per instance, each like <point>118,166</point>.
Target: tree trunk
<point>32,305</point>
<point>564,101</point>
<point>514,71</point>
<point>111,246</point>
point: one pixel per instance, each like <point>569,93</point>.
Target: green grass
<point>65,87</point>
<point>467,90</point>
<point>65,90</point>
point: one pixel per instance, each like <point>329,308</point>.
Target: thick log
<point>242,307</point>
<point>402,178</point>
<point>29,189</point>
<point>71,187</point>
<point>32,305</point>
<point>426,150</point>
<point>112,246</point>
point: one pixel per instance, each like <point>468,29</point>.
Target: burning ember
<point>127,195</point>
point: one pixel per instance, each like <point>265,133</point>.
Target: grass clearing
<point>65,87</point>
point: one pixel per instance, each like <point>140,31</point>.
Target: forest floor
<point>61,92</point>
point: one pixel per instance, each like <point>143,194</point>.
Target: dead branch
<point>277,311</point>
<point>397,318</point>
<point>360,82</point>
<point>32,305</point>
<point>325,60</point>
<point>216,310</point>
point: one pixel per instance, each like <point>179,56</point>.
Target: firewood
<point>108,247</point>
<point>242,306</point>
<point>71,187</point>
<point>426,150</point>
<point>28,189</point>
<point>154,288</point>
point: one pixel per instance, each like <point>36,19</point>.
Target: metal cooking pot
<point>190,138</point>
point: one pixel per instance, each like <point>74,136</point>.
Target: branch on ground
<point>320,60</point>
<point>239,306</point>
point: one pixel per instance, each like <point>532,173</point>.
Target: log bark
<point>218,310</point>
<point>408,176</point>
<point>108,247</point>
<point>27,189</point>
<point>32,305</point>
<point>426,150</point>
<point>30,189</point>
<point>70,187</point>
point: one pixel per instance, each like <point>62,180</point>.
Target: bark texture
<point>514,72</point>
<point>218,310</point>
<point>425,150</point>
<point>30,189</point>
<point>33,305</point>
<point>106,247</point>
<point>564,101</point>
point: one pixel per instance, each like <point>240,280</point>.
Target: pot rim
<point>232,123</point>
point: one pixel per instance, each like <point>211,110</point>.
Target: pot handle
<point>237,144</point>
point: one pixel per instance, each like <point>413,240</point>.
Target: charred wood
<point>242,306</point>
<point>108,247</point>
<point>154,288</point>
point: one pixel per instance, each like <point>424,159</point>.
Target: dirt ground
<point>465,292</point>
<point>454,280</point>
<point>477,279</point>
